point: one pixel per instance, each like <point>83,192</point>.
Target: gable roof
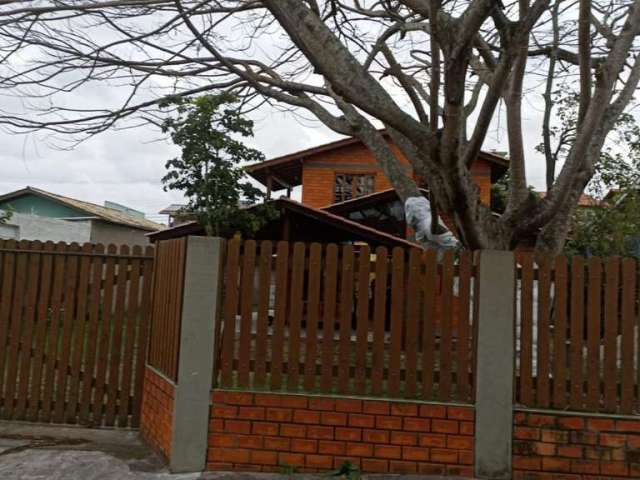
<point>288,168</point>
<point>353,230</point>
<point>110,215</point>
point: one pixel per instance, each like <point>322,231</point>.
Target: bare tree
<point>431,72</point>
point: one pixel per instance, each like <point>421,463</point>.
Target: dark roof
<point>106,214</point>
<point>286,171</point>
<point>319,225</point>
<point>366,200</point>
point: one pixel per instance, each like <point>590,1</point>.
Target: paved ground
<point>43,452</point>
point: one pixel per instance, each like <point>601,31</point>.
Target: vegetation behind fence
<point>73,331</point>
<point>330,319</point>
<point>577,334</point>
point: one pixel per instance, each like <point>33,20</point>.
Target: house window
<point>352,185</point>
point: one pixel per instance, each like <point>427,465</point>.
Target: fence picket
<point>362,320</point>
<point>313,305</point>
<point>411,337</point>
<point>429,323</point>
<point>295,315</point>
<point>463,350</point>
<point>328,317</point>
<point>230,309</point>
<point>593,333</point>
<point>560,334</point>
<point>345,311</point>
<point>397,317</point>
<point>612,272</point>
<point>526,330</point>
<point>628,331</point>
<point>264,291</point>
<point>280,314</point>
<point>379,314</point>
<point>446,325</point>
<point>543,351</point>
<point>246,302</point>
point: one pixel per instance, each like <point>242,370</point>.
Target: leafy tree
<point>5,215</point>
<point>612,227</point>
<point>208,171</point>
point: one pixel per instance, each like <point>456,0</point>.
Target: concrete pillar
<point>202,280</point>
<point>495,364</point>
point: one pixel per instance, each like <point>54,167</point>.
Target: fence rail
<point>330,319</point>
<point>73,327</point>
<point>578,334</point>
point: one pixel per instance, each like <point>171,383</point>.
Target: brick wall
<point>264,432</point>
<point>157,411</point>
<point>563,447</point>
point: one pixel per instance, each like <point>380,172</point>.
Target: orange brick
<point>544,449</point>
<point>375,436</point>
<point>277,443</point>
<point>279,414</point>
<point>362,421</point>
<point>630,426</point>
<point>417,424</point>
<point>250,441</point>
<point>614,468</point>
<point>304,446</point>
<point>251,413</point>
<point>465,457</point>
<point>224,411</point>
<point>375,465</point>
<point>570,451</point>
<point>333,418</point>
<point>467,428</point>
<point>459,442</point>
<point>306,416</point>
<point>237,426</point>
<point>290,459</point>
<point>399,466</point>
<point>293,430</point>
<point>404,409</point>
<point>585,438</point>
<point>388,423</point>
<point>330,447</point>
<point>441,455</point>
<point>319,461</point>
<point>612,440</point>
<point>219,466</point>
<point>360,449</point>
<point>460,413</point>
<point>571,423</point>
<point>320,403</point>
<point>348,405</point>
<point>239,398</point>
<point>519,418</point>
<point>339,461</point>
<point>222,440</point>
<point>263,428</point>
<point>433,440</point>
<point>554,464</point>
<point>231,455</point>
<point>268,399</point>
<point>404,438</point>
<point>585,466</point>
<point>321,432</point>
<point>262,457</point>
<point>375,407</point>
<point>415,453</point>
<point>431,469</point>
<point>555,436</point>
<point>526,463</point>
<point>444,426</point>
<point>433,411</point>
<point>351,434</point>
<point>600,425</point>
<point>293,401</point>
<point>216,397</point>
<point>388,451</point>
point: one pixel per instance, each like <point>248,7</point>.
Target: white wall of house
<point>34,227</point>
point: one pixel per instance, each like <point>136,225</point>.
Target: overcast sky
<point>126,166</point>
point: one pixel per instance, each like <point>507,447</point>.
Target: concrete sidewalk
<point>44,452</point>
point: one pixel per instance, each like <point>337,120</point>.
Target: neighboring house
<point>41,215</point>
<point>343,178</point>
<point>177,214</point>
<point>585,200</point>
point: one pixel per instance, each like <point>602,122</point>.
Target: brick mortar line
<point>571,413</point>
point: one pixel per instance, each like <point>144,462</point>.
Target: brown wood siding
<point>318,173</point>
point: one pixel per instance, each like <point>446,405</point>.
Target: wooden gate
<point>73,332</point>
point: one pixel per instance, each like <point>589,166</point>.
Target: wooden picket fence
<point>348,320</point>
<point>166,311</point>
<point>73,331</point>
<point>578,334</point>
